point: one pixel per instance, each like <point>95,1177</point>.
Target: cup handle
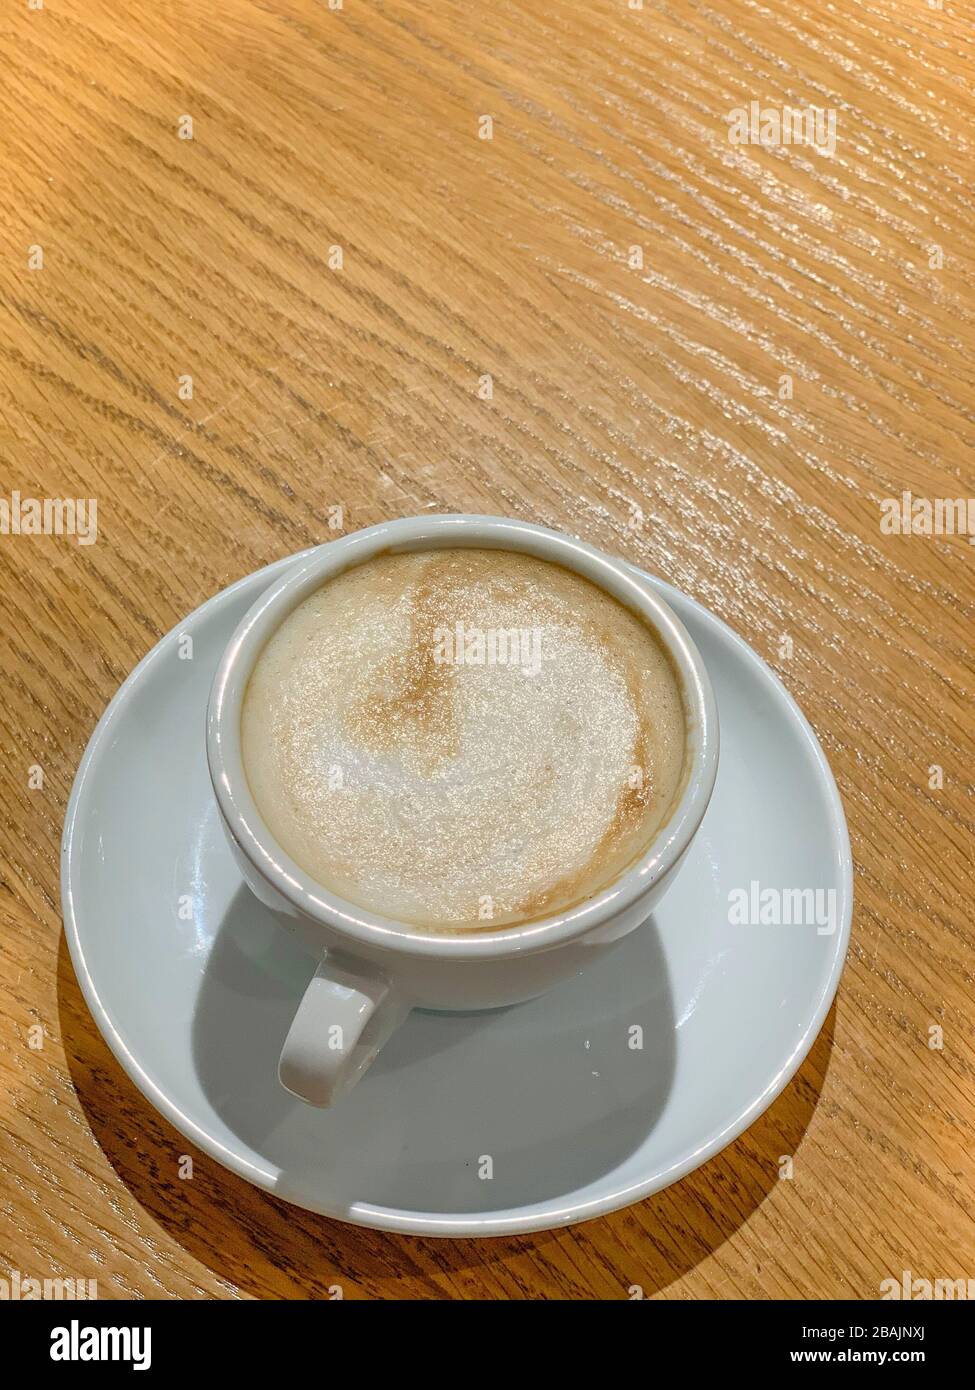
<point>343,1020</point>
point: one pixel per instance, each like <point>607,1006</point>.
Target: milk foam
<point>463,739</point>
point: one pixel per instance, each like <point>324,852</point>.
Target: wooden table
<point>714,358</point>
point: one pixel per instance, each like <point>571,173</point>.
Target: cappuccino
<point>461,740</point>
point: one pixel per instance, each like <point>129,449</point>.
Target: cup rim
<point>337,914</point>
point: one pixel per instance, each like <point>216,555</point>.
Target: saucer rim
<point>466,1225</point>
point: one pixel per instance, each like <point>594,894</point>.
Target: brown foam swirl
<point>461,739</point>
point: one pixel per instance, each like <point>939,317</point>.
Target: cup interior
<point>315,901</point>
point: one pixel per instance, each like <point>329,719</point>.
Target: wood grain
<point>641,408</point>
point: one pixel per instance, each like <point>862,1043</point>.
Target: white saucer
<point>575,1121</point>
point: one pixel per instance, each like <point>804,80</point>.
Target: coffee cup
<point>372,969</point>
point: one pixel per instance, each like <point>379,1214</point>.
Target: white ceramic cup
<point>371,970</point>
